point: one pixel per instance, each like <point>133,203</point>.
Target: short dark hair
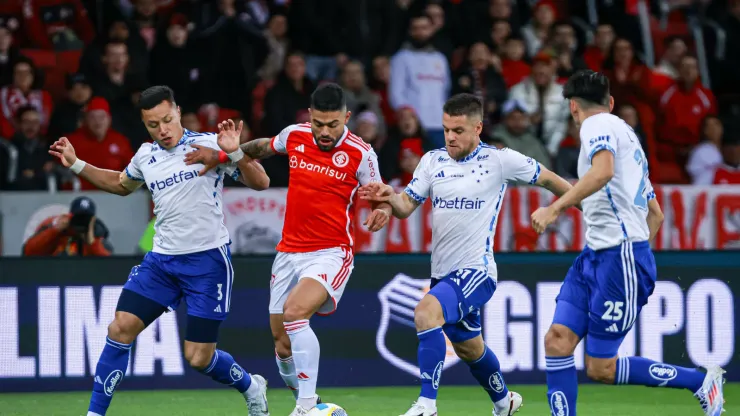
<point>590,88</point>
<point>23,110</point>
<point>464,105</point>
<point>328,97</point>
<point>153,96</point>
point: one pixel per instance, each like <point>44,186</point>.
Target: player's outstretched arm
<point>258,148</point>
<point>600,173</point>
<point>553,183</point>
<point>252,173</point>
<point>401,204</point>
<point>654,218</point>
<point>109,181</point>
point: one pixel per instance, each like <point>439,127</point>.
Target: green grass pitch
<point>594,400</point>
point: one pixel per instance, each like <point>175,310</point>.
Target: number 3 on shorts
<point>220,294</point>
<point>613,311</point>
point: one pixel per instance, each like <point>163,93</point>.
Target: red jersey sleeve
<point>279,143</point>
<point>368,170</point>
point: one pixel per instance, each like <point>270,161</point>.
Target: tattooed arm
<point>258,148</point>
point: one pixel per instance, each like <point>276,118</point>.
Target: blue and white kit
<point>466,199</point>
<point>612,278</point>
<point>191,258</point>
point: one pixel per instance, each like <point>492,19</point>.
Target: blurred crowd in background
<point>75,68</point>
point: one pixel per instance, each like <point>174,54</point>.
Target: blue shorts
<point>203,279</point>
<point>462,294</point>
<point>603,293</point>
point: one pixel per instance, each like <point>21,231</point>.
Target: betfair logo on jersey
<point>176,178</point>
<point>458,203</point>
<point>598,139</point>
<point>295,163</point>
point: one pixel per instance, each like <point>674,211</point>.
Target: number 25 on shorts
<point>613,311</point>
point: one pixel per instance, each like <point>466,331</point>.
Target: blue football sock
<point>562,385</point>
<point>109,373</point>
<point>487,371</point>
<point>431,355</point>
<point>645,372</point>
<point>225,370</point>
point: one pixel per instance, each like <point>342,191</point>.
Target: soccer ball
<point>327,409</point>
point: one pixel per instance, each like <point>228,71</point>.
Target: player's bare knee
<point>601,370</point>
<point>470,350</point>
<point>198,355</point>
<point>428,314</point>
<point>121,330</point>
<point>294,312</point>
<point>560,341</point>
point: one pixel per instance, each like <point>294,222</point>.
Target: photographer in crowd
<point>77,233</point>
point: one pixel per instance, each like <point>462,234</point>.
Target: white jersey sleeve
<point>279,143</point>
<point>518,167</point>
<point>596,137</point>
<point>649,189</point>
<point>368,170</point>
<point>133,170</point>
<point>419,187</point>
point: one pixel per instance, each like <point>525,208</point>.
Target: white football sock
<point>92,414</point>
<point>286,367</point>
<point>306,352</point>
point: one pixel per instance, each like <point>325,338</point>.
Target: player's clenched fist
<point>376,191</point>
<point>63,150</point>
<point>542,218</point>
<point>377,220</point>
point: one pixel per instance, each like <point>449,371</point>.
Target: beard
<point>326,147</point>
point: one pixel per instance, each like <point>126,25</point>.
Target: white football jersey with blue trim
<point>617,212</point>
<point>187,206</point>
<point>466,198</point>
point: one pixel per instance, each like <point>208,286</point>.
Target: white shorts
<point>330,267</point>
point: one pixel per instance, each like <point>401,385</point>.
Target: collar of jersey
<point>471,155</point>
<point>185,134</point>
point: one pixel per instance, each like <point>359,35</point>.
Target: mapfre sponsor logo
<point>296,163</point>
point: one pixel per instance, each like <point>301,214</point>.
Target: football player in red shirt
<point>314,261</point>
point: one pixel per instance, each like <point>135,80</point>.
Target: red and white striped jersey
<point>319,210</point>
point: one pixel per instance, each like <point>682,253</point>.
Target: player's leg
<point>136,309</point>
<point>484,365</point>
<point>625,278</point>
<point>283,279</point>
<point>468,343</point>
<point>323,276</point>
<point>206,280</point>
<point>283,353</point>
<point>443,305</point>
<point>569,325</point>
